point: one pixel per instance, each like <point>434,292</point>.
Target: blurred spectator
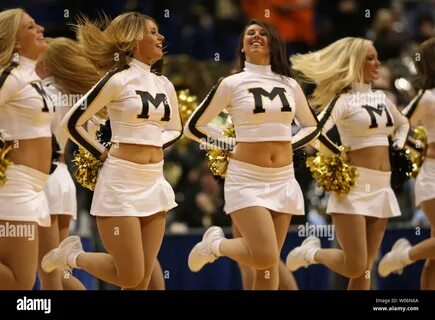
<point>293,19</point>
<point>387,34</point>
<point>425,27</point>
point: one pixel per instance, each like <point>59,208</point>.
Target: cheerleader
<point>365,119</point>
<point>261,192</point>
<point>25,117</point>
<point>131,195</point>
<point>420,111</point>
<point>66,75</point>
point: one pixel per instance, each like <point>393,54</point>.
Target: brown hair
<point>278,56</point>
<point>426,64</point>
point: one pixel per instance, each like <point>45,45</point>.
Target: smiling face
<point>256,45</point>
<point>371,65</point>
<point>30,38</point>
<point>150,48</point>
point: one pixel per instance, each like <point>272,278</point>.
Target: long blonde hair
<point>73,72</point>
<point>9,25</point>
<point>109,44</point>
<point>333,68</point>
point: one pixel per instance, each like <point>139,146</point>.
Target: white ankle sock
<point>311,252</point>
<point>215,247</point>
<point>72,259</point>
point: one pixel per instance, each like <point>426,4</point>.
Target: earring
<point>242,50</point>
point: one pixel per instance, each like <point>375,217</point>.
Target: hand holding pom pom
<point>87,165</point>
<point>333,173</point>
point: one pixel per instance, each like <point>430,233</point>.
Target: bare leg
<point>123,265</point>
<point>286,279</point>
<point>426,249</point>
<point>270,276</point>
<point>49,239</point>
<point>258,247</point>
<point>69,282</point>
<point>153,230</point>
<point>18,258</point>
<point>157,281</point>
<point>351,260</point>
<point>247,273</point>
<point>375,232</point>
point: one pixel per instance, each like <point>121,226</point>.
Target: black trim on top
<point>328,111</point>
<point>171,142</point>
<point>313,135</point>
<point>414,105</point>
<point>6,72</point>
<point>198,114</point>
<point>79,111</point>
<point>328,144</point>
<point>323,139</point>
<point>305,140</point>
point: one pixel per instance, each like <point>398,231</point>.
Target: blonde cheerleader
<point>365,118</point>
<point>26,113</point>
<point>66,75</point>
<point>131,196</point>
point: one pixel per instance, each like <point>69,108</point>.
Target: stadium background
<point>201,38</point>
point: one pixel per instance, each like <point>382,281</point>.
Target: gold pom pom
<point>87,168</point>
<point>332,173</point>
<point>419,134</point>
<point>218,158</point>
<point>187,103</point>
<point>4,162</point>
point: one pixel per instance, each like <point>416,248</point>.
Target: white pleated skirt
<point>248,185</point>
<point>125,188</point>
<point>425,182</point>
<point>22,197</point>
<point>61,192</point>
<point>372,196</point>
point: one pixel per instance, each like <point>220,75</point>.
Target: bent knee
<point>25,282</point>
<point>265,259</point>
<point>132,278</point>
<point>356,268</point>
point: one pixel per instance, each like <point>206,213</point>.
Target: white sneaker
<point>395,260</point>
<point>298,257</point>
<point>58,257</point>
<point>201,254</point>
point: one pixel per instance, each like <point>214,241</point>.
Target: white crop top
<point>142,108</point>
<point>364,118</point>
<point>26,111</point>
<point>421,111</point>
<point>62,106</point>
<point>262,106</point>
